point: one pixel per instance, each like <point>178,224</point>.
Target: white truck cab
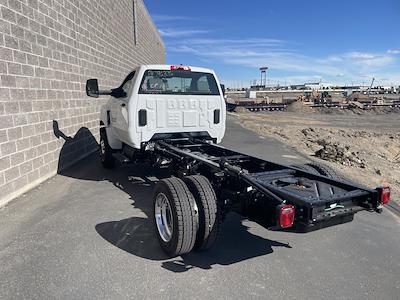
<point>162,101</point>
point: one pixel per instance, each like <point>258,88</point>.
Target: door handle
<point>123,105</point>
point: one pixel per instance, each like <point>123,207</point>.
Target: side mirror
<point>92,88</point>
<point>223,89</point>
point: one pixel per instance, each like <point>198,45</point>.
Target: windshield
<point>178,82</point>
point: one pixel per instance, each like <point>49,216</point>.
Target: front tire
<point>175,216</point>
<point>106,157</point>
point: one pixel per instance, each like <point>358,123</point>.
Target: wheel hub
<point>163,217</point>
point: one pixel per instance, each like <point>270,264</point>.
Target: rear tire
<point>209,215</point>
<point>175,216</point>
<point>106,157</point>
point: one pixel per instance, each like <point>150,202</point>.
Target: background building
<point>48,49</point>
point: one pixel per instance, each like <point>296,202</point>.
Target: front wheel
<point>106,157</point>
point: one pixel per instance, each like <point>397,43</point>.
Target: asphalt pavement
<point>86,234</point>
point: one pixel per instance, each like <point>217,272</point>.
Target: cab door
<point>119,108</point>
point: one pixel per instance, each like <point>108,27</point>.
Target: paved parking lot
<point>86,234</point>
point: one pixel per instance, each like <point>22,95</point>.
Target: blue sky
<point>341,42</point>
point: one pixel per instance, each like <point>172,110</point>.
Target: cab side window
<point>125,89</point>
<point>127,85</point>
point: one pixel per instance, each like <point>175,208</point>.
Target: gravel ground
<point>365,147</point>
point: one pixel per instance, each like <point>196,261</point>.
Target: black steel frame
<point>249,179</point>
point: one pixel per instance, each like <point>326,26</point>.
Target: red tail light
<point>286,215</point>
<point>180,67</point>
<point>385,195</point>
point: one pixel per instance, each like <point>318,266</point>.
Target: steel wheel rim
<point>163,216</point>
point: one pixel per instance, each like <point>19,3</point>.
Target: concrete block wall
<point>48,49</point>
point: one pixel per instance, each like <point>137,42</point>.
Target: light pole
<point>263,71</point>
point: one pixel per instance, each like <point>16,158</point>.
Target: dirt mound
<point>331,111</point>
<point>299,107</point>
<point>242,110</point>
<point>384,110</point>
<point>338,154</point>
<point>354,110</point>
<point>368,153</point>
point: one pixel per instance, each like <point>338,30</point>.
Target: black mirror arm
<point>118,93</point>
<point>105,93</point>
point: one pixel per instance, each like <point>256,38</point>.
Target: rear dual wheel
<point>209,214</point>
<point>185,214</point>
<point>175,216</point>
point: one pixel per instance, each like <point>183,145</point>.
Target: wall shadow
<point>136,235</point>
<point>74,148</point>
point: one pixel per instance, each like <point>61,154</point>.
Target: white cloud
<point>176,33</point>
<point>249,42</point>
<point>169,18</point>
<point>393,51</point>
<point>387,79</point>
<point>370,59</point>
<point>279,55</point>
<point>361,56</point>
<point>253,53</point>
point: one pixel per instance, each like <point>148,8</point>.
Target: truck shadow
<point>137,235</point>
<point>236,244</point>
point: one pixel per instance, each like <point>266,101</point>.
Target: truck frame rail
<point>246,183</point>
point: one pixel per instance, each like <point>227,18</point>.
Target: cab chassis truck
<point>174,117</point>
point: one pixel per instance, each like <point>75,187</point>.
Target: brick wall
<point>48,49</point>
